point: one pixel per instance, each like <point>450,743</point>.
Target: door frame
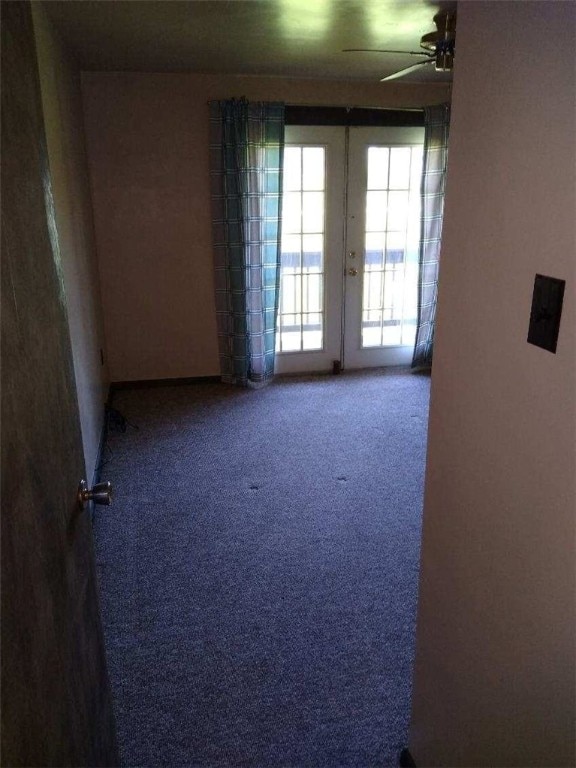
<point>354,356</point>
<point>342,307</point>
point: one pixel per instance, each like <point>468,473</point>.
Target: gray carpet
<point>258,570</point>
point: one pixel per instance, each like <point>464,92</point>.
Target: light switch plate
<point>546,310</point>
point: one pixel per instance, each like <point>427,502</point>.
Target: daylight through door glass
<point>301,309</point>
<point>389,300</point>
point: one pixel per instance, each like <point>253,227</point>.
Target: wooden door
<point>56,704</point>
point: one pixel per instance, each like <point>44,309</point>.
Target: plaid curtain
<point>246,161</point>
<point>437,125</point>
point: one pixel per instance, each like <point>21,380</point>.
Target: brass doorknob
<point>352,271</point>
<point>101,493</point>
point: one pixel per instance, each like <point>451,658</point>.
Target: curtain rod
<point>349,108</point>
<point>353,116</point>
<point>305,114</point>
<point>341,106</point>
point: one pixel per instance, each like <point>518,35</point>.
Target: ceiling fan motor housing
<point>441,42</point>
<point>444,56</point>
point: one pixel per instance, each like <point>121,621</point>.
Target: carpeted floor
<point>258,570</point>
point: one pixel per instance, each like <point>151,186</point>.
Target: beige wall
<point>147,138</point>
<point>63,117</point>
<point>495,677</point>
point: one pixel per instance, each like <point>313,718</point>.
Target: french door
<point>350,233</point>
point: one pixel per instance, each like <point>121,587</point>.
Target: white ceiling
<point>288,38</point>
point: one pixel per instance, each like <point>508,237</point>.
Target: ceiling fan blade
<point>379,50</point>
<point>403,72</point>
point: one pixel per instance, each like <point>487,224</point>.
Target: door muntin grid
<point>300,325</point>
<point>391,239</point>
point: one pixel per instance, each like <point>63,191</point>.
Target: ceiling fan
<point>438,47</point>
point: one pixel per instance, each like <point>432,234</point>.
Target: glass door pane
<point>301,311</point>
<point>391,246</point>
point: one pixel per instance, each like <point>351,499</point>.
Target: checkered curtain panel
<point>437,125</point>
<point>246,160</point>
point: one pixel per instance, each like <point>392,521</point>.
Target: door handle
<point>352,271</point>
<point>101,493</point>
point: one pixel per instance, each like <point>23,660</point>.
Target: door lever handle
<point>101,493</point>
<point>352,271</point>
